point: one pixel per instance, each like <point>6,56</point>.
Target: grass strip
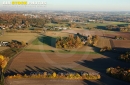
<point>60,51</point>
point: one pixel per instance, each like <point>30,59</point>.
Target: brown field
<point>26,37</point>
<point>107,34</point>
<point>103,42</point>
<point>122,34</point>
<point>85,32</point>
<point>3,48</point>
<point>48,60</point>
<point>120,43</point>
<point>106,38</point>
<point>56,34</point>
<point>51,82</point>
<point>28,62</point>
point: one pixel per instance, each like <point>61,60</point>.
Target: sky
<point>71,5</point>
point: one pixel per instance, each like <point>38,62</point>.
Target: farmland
<point>55,62</point>
<point>43,47</point>
<point>25,37</point>
<point>40,56</point>
<point>120,43</point>
<point>100,25</point>
<point>18,36</point>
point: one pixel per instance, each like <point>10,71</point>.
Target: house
<point>91,20</point>
<point>64,28</point>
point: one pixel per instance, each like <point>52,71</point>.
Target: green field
<point>62,51</point>
<point>88,25</point>
<point>37,42</point>
<point>102,25</point>
<point>42,40</point>
<point>56,25</point>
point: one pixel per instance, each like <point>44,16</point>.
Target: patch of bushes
<point>35,31</point>
<point>92,40</point>
<point>119,38</point>
<point>84,75</point>
<point>105,48</point>
<point>17,44</point>
<point>12,30</point>
<point>3,62</point>
<point>120,73</point>
<point>125,57</point>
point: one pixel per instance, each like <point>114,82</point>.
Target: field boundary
<point>60,51</point>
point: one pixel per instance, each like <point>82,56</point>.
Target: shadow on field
<point>48,40</point>
<point>29,70</point>
<point>101,64</point>
<point>101,27</point>
<point>98,65</point>
<point>104,28</point>
<point>36,70</point>
<point>113,37</point>
<point>113,54</point>
<point>122,25</point>
<point>89,82</point>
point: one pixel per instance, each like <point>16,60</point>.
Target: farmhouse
<point>91,20</point>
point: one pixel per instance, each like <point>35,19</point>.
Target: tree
<point>89,41</point>
<point>78,40</point>
<point>72,25</point>
<point>27,23</point>
<point>54,74</point>
<point>69,42</point>
<point>3,63</point>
